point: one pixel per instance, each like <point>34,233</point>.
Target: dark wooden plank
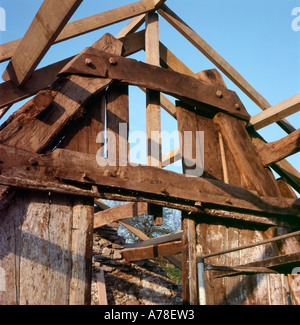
<point>117,114</point>
<point>82,134</point>
<point>190,141</point>
<point>149,76</point>
<point>27,169</point>
<point>254,175</point>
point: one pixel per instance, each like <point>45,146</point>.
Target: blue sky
<point>254,36</point>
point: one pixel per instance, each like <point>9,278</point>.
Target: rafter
<point>280,149</point>
<point>219,61</point>
<point>89,24</point>
<point>45,27</point>
<point>275,113</point>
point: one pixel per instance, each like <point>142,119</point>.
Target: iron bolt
<point>219,94</point>
<point>88,62</point>
<point>112,61</point>
<point>237,107</point>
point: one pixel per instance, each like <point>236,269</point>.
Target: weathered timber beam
<point>153,117</point>
<point>275,113</point>
<point>169,60</point>
<point>101,288</point>
<point>42,78</point>
<point>120,212</point>
<point>275,151</point>
<point>89,24</point>
<point>3,110</point>
<point>239,143</point>
<point>219,61</point>
<point>177,236</point>
<point>160,250</point>
<point>44,29</point>
<point>223,271</point>
<point>51,172</point>
<point>207,215</point>
<point>282,167</point>
<point>278,264</point>
<point>138,233</point>
<point>132,26</point>
<point>70,93</point>
<point>181,86</point>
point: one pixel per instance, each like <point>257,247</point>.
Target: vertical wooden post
<point>189,270</point>
<point>187,122</point>
<point>117,112</point>
<point>153,97</point>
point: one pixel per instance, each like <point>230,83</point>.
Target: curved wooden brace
<point>92,62</point>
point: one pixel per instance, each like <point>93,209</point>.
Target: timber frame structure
<point>239,224</point>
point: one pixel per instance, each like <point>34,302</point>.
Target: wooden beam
<point>44,77</point>
<point>132,26</point>
<point>183,87</point>
<point>219,61</point>
<point>44,29</point>
<point>169,60</point>
<point>124,211</point>
<point>283,167</point>
<point>144,237</point>
<point>101,288</point>
<point>138,233</point>
<point>245,156</point>
<point>161,250</point>
<point>278,150</point>
<point>89,24</point>
<point>177,236</point>
<point>279,264</point>
<point>39,123</point>
<point>40,79</point>
<point>82,134</point>
<point>189,267</point>
<point>153,118</point>
<point>27,170</point>
<point>117,119</point>
<point>275,113</point>
<point>71,93</point>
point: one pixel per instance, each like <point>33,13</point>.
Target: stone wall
<point>139,283</point>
